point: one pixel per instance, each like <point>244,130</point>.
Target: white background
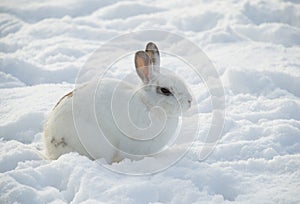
<point>254,46</point>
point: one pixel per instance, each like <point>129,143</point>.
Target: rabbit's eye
<point>165,91</point>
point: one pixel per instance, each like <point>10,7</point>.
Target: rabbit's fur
<point>114,119</point>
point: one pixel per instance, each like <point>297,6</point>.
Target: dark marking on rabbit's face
<point>65,96</point>
<point>164,91</point>
<point>56,143</point>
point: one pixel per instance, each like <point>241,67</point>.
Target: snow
<point>254,46</point>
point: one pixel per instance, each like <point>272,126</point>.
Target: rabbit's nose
<point>190,102</point>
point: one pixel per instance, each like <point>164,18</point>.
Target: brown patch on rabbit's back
<point>69,95</point>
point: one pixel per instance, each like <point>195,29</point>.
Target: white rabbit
<point>114,119</point>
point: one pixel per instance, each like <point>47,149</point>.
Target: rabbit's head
<point>161,87</point>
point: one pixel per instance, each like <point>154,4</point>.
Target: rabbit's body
<point>59,131</point>
<point>115,119</point>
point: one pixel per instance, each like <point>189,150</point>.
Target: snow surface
<point>255,47</point>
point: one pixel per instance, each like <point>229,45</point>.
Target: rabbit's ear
<point>153,53</point>
<point>143,65</point>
